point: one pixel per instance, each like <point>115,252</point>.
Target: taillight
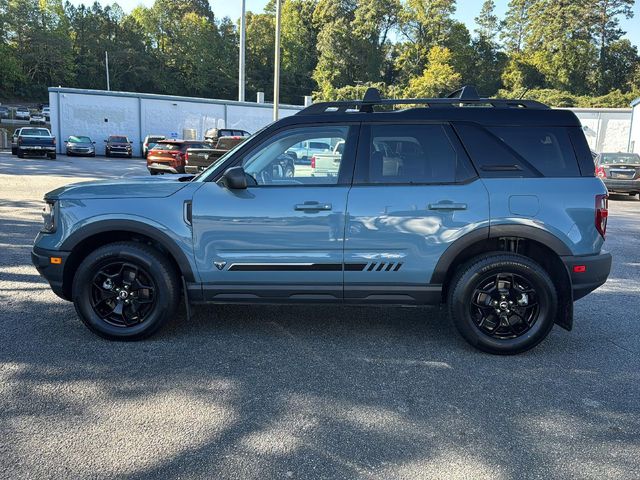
<point>600,172</point>
<point>313,162</point>
<point>54,141</point>
<point>186,156</point>
<point>19,140</point>
<point>602,214</point>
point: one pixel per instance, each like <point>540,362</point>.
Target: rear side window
<point>411,154</point>
<point>548,149</point>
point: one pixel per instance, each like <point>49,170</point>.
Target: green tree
<point>438,77</point>
<point>487,21</point>
<point>605,15</point>
<point>516,25</point>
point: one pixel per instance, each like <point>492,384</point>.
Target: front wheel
<point>502,303</point>
<point>125,291</point>
<point>52,156</point>
<point>19,153</point>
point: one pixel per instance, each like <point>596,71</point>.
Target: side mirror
<point>106,141</point>
<point>235,178</point>
<point>93,143</point>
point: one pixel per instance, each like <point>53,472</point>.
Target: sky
<point>467,11</point>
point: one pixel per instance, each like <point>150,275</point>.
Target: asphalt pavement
<point>261,392</point>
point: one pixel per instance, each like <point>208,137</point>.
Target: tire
<point>14,151</point>
<point>474,313</point>
<point>97,304</point>
<point>19,153</point>
<point>52,156</point>
<point>153,172</point>
<point>107,153</point>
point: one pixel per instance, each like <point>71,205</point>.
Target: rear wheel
<point>125,291</point>
<point>502,303</point>
<point>52,156</point>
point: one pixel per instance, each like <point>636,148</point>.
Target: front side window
<point>276,163</point>
<point>411,154</point>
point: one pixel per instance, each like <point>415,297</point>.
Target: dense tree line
<point>564,52</point>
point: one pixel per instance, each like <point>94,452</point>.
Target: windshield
<point>79,140</point>
<point>619,158</point>
<point>118,139</point>
<point>37,132</point>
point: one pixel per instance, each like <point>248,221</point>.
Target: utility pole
<point>276,67</point>
<point>243,35</point>
<point>106,66</point>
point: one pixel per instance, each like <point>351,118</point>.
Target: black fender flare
<point>521,231</point>
<point>104,226</point>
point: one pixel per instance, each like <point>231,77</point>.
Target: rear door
<point>414,193</point>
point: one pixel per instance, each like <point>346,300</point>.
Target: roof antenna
<point>526,90</point>
<point>467,92</point>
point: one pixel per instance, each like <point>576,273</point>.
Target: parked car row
<point>37,117</point>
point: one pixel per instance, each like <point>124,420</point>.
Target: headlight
<point>49,217</point>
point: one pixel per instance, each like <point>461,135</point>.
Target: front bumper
<point>622,186</point>
<point>52,272</point>
<point>592,272</point>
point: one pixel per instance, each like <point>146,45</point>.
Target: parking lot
<point>255,392</point>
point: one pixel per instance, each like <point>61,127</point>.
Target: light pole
<point>243,33</point>
<point>106,66</point>
<point>276,67</point>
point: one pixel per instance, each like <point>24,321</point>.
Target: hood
<point>131,187</point>
<point>80,144</point>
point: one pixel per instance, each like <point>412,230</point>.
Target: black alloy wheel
<point>502,303</point>
<point>122,294</point>
<point>125,290</point>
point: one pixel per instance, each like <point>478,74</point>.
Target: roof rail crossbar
<point>466,96</point>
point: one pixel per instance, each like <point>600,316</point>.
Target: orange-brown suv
<point>168,156</point>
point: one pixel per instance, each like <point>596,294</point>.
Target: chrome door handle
<point>447,206</point>
<point>313,206</point>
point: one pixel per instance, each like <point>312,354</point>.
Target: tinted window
<point>272,164</point>
<point>620,158</point>
<point>167,146</point>
<point>411,154</point>
<point>548,149</point>
<point>41,132</point>
<point>119,139</point>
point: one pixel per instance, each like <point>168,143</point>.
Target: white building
<point>99,113</point>
<point>606,129</point>
<point>634,134</point>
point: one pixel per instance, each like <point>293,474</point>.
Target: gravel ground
<point>306,392</point>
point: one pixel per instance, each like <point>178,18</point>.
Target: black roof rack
<point>467,96</point>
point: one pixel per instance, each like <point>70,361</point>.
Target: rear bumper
<point>161,167</point>
<point>622,186</point>
<point>52,273</point>
<point>596,271</point>
<point>37,148</point>
<point>194,169</point>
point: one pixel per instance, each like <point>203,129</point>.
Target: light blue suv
<point>490,206</point>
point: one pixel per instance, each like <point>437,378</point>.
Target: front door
<point>414,193</point>
<point>281,239</point>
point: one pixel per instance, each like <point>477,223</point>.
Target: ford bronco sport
<point>490,206</point>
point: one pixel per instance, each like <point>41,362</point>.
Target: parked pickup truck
<point>36,141</point>
<point>327,164</point>
<point>197,159</point>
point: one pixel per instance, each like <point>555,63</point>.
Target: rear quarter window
<point>548,149</point>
